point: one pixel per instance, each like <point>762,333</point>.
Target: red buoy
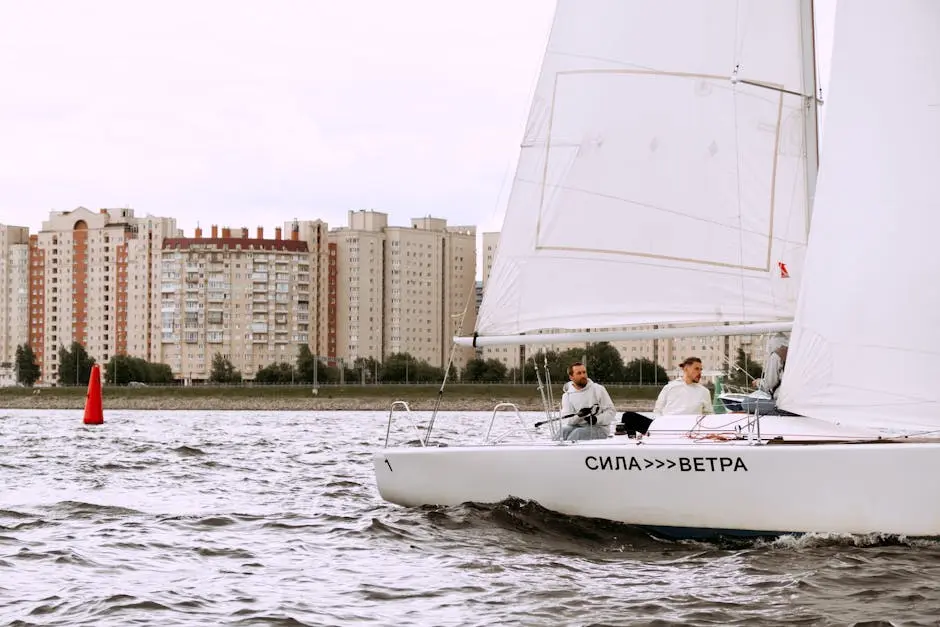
<point>94,413</point>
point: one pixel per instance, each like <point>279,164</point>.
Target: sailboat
<point>668,176</point>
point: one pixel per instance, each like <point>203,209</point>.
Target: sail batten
<point>662,178</point>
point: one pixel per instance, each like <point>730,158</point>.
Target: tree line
<point>75,368</point>
<point>308,368</point>
<point>603,361</point>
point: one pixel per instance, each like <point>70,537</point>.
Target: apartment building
<point>254,300</point>
<point>433,298</point>
<point>358,269</point>
<point>79,285</point>
<point>141,325</point>
<point>316,234</point>
<point>401,289</point>
<point>14,287</point>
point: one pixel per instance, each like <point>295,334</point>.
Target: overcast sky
<point>249,113</point>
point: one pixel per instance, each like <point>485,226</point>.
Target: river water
<point>238,518</point>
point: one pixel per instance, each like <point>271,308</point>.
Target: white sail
<point>865,345</point>
<point>663,173</point>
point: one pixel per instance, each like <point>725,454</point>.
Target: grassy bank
<point>456,397</point>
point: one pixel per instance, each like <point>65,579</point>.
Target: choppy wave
<point>273,519</point>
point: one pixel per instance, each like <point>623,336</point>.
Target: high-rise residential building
<point>251,300</point>
<point>359,272</point>
<point>14,287</point>
<point>79,285</point>
<point>403,290</point>
<point>142,337</point>
<point>316,234</point>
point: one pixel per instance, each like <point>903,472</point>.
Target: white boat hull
<point>687,488</point>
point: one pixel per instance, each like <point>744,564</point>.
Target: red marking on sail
<point>784,273</point>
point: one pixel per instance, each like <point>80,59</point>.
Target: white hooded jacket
<point>773,366</point>
<point>591,394</point>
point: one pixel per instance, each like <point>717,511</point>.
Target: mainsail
<point>865,344</point>
<point>667,169</point>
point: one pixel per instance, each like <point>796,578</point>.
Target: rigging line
<point>450,362</point>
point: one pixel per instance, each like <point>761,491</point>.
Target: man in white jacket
<point>764,400</point>
<point>685,395</point>
<point>586,407</point>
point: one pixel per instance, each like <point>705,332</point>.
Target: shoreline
<point>419,397</point>
<point>221,403</point>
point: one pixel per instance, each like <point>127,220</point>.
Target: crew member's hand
<point>589,414</point>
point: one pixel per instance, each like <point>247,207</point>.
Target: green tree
<point>484,371</point>
<point>645,371</point>
<point>123,369</point>
<point>74,365</point>
<point>365,370</point>
<point>280,373</point>
<point>399,368</point>
<point>604,363</point>
<point>556,368</point>
<point>745,370</point>
<point>160,373</point>
<point>223,371</point>
<point>304,363</point>
<point>27,370</point>
<point>332,374</point>
<point>426,373</point>
<point>309,366</point>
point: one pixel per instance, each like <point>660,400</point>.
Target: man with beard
<point>685,395</point>
<point>586,406</point>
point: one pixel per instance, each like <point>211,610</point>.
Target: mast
<point>811,125</point>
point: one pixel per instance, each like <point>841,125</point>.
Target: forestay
<point>866,341</point>
<point>653,187</point>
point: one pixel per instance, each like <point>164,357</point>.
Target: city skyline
<point>118,283</point>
